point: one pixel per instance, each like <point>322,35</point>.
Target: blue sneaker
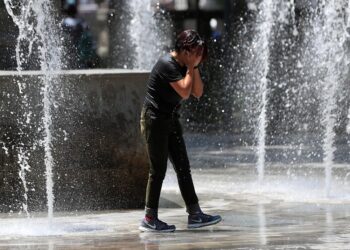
<point>202,220</point>
<point>155,225</point>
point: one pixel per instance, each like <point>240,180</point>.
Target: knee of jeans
<point>183,173</point>
<point>157,175</point>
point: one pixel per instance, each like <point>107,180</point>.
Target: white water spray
<point>333,37</point>
<point>327,65</point>
<point>37,26</point>
<point>26,38</point>
<point>5,148</point>
<point>148,35</point>
<point>25,167</point>
<point>261,55</point>
<point>292,12</point>
<point>50,61</point>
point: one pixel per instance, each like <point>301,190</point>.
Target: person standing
<point>173,79</point>
<point>79,45</point>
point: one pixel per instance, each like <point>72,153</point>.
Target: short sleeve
<point>171,72</point>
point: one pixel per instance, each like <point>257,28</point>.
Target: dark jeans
<point>164,140</point>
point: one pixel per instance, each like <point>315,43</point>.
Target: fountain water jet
<point>149,30</point>
<point>287,64</point>
<point>38,27</point>
<point>26,35</point>
<point>335,28</point>
<point>260,63</point>
<point>328,36</point>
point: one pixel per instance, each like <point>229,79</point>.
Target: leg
<point>179,159</point>
<point>155,133</point>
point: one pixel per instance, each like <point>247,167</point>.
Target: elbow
<point>185,96</point>
<point>198,95</point>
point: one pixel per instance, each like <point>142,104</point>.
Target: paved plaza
<point>282,214</point>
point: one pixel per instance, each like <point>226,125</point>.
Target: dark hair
<point>189,40</point>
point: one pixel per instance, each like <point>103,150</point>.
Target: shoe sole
<point>146,229</point>
<point>198,225</point>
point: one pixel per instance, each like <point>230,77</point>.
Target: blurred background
<point>134,34</point>
<point>276,79</point>
<point>107,22</point>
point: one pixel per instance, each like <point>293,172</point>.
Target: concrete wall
<point>8,36</point>
<point>100,160</point>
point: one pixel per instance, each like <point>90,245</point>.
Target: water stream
<point>38,30</point>
<point>150,31</point>
<point>323,63</point>
<point>261,56</point>
<point>328,35</point>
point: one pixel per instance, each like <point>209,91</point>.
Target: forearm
<point>189,80</point>
<point>184,86</point>
<point>197,86</point>
<point>188,83</point>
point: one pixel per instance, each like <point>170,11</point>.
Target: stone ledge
<point>100,159</point>
<point>86,72</point>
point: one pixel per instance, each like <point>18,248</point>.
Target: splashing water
<point>292,12</point>
<point>308,72</point>
<point>149,30</point>
<point>37,27</point>
<point>260,57</point>
<point>328,36</point>
<point>25,39</point>
<point>334,51</point>
<point>25,167</point>
<point>6,150</point>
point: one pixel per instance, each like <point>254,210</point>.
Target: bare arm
<point>197,86</point>
<point>184,86</point>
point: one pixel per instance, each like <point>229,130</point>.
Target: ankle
<point>193,209</point>
<point>149,218</point>
<point>151,213</point>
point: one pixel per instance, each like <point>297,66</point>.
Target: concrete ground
<point>282,213</point>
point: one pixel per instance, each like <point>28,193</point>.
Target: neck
<point>178,57</point>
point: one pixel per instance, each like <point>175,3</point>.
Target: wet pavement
<point>283,213</point>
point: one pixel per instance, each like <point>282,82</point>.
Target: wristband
<point>196,67</point>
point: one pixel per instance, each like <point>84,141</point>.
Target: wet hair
<point>189,40</point>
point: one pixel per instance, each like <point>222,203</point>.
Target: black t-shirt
<point>161,98</point>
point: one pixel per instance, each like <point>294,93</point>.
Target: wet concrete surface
<point>283,214</point>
